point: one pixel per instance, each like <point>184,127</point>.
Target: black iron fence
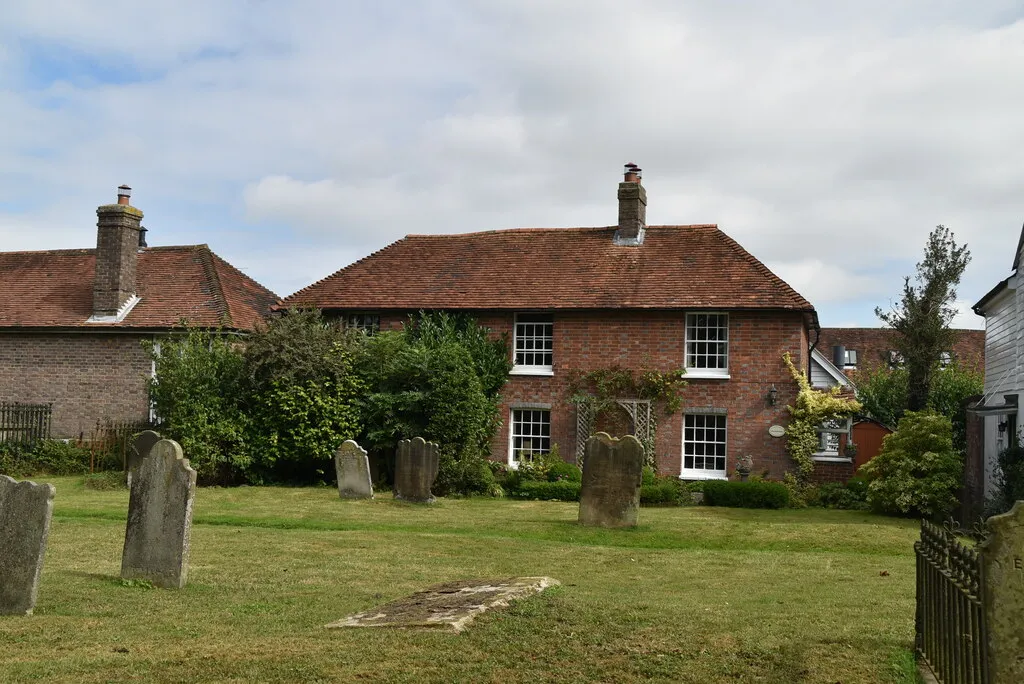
<point>24,422</point>
<point>951,637</point>
<point>109,443</point>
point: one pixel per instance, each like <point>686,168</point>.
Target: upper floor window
<point>366,322</point>
<point>850,360</point>
<point>534,338</point>
<point>895,359</point>
<point>945,359</point>
<point>707,344</point>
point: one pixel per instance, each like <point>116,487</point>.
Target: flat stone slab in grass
<point>451,605</point>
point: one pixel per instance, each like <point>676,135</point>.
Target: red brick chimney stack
<point>632,208</point>
<point>117,244</point>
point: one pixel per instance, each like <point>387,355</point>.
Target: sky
<point>827,137</point>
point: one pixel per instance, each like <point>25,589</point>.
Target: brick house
<point>581,299</point>
<point>72,320</point>
<point>861,349</point>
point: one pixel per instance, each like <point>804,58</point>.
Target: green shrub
<point>745,494</point>
<point>1009,480</point>
<point>563,490</point>
<point>562,470</point>
<point>662,492</point>
<point>649,476</point>
<point>470,475</point>
<point>918,470</point>
<point>45,457</point>
<point>837,495</point>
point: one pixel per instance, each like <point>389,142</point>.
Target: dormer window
<point>895,359</point>
<point>534,344</point>
<point>945,359</point>
<point>850,360</point>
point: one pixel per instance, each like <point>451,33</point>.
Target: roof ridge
<point>220,262</point>
<point>764,270</point>
<point>281,302</point>
<point>580,229</point>
<point>210,270</point>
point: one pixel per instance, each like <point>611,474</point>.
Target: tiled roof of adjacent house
<point>54,289</point>
<point>873,345</point>
<point>557,268</point>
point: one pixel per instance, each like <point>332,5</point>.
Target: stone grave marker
<point>25,512</point>
<point>451,605</point>
<point>610,491</point>
<point>1002,566</point>
<point>353,469</point>
<point>138,449</point>
<point>415,470</point>
<point>156,542</point>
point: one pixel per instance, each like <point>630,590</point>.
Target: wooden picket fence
<point>24,422</point>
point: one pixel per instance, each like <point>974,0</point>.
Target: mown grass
<point>692,595</point>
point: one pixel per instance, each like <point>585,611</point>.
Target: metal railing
<point>24,422</point>
<point>951,637</point>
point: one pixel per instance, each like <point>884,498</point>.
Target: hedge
<point>758,494</point>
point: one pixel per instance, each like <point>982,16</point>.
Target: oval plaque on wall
<point>776,431</point>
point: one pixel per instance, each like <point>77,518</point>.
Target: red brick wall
<point>598,339</point>
<point>88,377</point>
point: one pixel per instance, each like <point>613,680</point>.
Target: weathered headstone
<point>138,450</point>
<point>1002,559</point>
<point>25,512</point>
<point>353,469</point>
<point>610,491</point>
<point>156,542</point>
<point>415,470</point>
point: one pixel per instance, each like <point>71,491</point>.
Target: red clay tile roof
<point>556,268</point>
<point>54,289</point>
<point>873,346</point>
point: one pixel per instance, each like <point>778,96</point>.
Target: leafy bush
<point>756,494</point>
<point>563,490</point>
<point>197,394</point>
<point>918,470</point>
<point>45,457</point>
<point>563,470</point>
<point>838,495</point>
<point>663,492</point>
<point>1009,480</point>
<point>470,475</point>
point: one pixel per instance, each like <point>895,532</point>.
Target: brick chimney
<point>117,249</point>
<point>632,208</point>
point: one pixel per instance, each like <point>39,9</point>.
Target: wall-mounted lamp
<point>1002,427</point>
<point>773,395</point>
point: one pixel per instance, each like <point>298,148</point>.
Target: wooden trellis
<point>639,411</point>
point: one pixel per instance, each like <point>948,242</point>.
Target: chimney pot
<point>124,194</point>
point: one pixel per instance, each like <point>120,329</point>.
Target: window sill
<point>531,370</point>
<point>703,476</point>
<point>704,375</point>
<point>826,458</point>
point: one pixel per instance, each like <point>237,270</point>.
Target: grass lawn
<point>693,595</point>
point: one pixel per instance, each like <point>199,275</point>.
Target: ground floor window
<point>829,433</point>
<point>529,434</point>
<point>704,442</point>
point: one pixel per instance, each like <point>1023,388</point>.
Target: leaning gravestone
<point>353,469</point>
<point>610,491</point>
<point>1002,560</point>
<point>25,512</point>
<point>415,470</point>
<point>138,450</point>
<point>156,542</point>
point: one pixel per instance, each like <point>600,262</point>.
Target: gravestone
<point>415,470</point>
<point>610,491</point>
<point>156,542</point>
<point>25,512</point>
<point>138,450</point>
<point>353,469</point>
<point>1002,567</point>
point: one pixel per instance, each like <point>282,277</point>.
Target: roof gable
<point>695,266</point>
<point>54,289</point>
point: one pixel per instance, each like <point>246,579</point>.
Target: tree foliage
<point>918,470</point>
<point>922,317</point>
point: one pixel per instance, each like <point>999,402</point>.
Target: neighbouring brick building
<point>72,321</point>
<point>581,299</point>
<point>863,349</point>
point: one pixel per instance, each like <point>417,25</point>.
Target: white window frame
<point>533,369</point>
<point>696,371</point>
<point>363,321</point>
<point>850,359</point>
<point>515,432</point>
<point>826,455</point>
<point>945,360</point>
<point>895,359</point>
<point>705,473</point>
